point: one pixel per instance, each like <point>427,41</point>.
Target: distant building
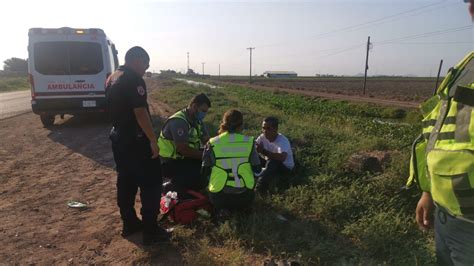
<point>280,74</point>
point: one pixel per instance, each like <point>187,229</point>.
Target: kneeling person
<point>180,140</point>
<point>230,161</point>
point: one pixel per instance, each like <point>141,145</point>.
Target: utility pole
<point>439,73</point>
<point>187,71</point>
<point>366,63</point>
<point>219,70</point>
<point>250,49</point>
<point>203,68</point>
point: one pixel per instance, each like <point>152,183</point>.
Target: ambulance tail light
<point>32,84</point>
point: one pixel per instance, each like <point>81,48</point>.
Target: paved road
<point>14,103</point>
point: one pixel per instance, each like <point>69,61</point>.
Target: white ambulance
<point>67,70</point>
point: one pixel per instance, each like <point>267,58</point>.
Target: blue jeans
<point>454,239</point>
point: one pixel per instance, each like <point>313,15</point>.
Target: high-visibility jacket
<point>168,147</point>
<point>232,167</point>
<point>442,160</point>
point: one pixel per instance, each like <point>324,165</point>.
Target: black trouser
<point>184,174</point>
<point>223,200</point>
<point>135,170</point>
<point>273,168</point>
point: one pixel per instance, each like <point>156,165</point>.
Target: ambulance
<point>67,70</point>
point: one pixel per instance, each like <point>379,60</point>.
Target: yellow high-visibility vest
<point>443,157</point>
<point>168,147</point>
<point>232,162</point>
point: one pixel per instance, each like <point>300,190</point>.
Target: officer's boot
<point>131,227</point>
<point>153,233</point>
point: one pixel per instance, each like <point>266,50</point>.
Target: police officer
<point>134,147</point>
<point>180,143</point>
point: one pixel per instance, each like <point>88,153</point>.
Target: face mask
<point>200,115</point>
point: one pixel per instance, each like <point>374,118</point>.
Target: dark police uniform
<point>131,149</point>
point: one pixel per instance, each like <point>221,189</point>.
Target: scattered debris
<point>281,218</point>
<point>76,204</point>
<point>384,122</point>
<point>277,262</point>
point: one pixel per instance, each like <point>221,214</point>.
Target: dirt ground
<point>40,171</point>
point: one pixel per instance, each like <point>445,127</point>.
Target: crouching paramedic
<point>180,141</point>
<point>443,166</point>
<point>230,161</point>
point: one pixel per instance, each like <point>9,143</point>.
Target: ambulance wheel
<point>47,120</point>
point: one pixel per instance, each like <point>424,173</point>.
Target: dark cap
<point>136,52</point>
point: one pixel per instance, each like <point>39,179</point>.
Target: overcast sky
<point>309,37</point>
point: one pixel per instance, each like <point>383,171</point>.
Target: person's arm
<point>255,161</point>
<point>208,161</point>
<point>179,131</point>
<point>424,210</point>
<point>188,152</point>
<point>271,155</point>
<point>143,120</point>
<point>138,100</point>
<point>275,155</point>
<point>205,134</point>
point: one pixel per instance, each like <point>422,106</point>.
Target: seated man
<point>180,140</point>
<point>230,161</point>
<point>276,152</point>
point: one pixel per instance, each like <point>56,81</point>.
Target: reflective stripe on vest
<point>232,162</point>
<point>168,147</point>
<point>448,128</point>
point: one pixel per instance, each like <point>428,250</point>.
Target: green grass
<point>334,215</point>
<point>14,84</point>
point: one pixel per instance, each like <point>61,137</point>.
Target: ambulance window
<point>85,58</point>
<point>68,58</point>
<point>51,58</point>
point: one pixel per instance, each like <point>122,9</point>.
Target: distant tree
<point>168,73</point>
<point>191,72</point>
<point>16,65</point>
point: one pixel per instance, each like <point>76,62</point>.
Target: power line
<point>426,34</point>
<point>392,41</point>
<point>425,43</point>
<point>310,54</point>
<point>410,15</point>
<point>342,51</point>
<point>378,21</point>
